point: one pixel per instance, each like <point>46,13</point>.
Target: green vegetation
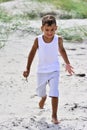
<point>71,8</point>
<point>28,15</point>
<point>73,34</point>
<point>4,16</point>
<point>3,35</point>
<point>4,1</point>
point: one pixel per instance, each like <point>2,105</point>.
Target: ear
<point>56,27</point>
<point>42,28</point>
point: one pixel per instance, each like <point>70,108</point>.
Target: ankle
<point>54,115</point>
<point>42,102</point>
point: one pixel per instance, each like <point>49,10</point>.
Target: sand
<point>18,100</point>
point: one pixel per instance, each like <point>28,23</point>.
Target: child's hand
<point>26,73</point>
<point>69,68</point>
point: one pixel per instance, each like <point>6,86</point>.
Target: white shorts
<point>52,79</point>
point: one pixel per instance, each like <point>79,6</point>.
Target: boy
<point>48,44</point>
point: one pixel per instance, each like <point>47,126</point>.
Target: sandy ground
<point>18,100</point>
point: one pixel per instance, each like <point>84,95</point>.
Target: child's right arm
<point>30,58</point>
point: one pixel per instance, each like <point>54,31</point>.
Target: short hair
<point>49,20</point>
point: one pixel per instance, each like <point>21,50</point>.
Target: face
<point>49,31</point>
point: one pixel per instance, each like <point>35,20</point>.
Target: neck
<point>47,40</point>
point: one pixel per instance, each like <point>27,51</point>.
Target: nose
<point>49,32</point>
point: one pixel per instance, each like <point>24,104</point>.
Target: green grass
<point>4,16</point>
<point>9,24</point>
<point>74,34</point>
<point>4,32</point>
<point>74,8</point>
<point>28,16</point>
<point>4,1</point>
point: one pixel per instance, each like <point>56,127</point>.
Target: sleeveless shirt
<point>48,55</point>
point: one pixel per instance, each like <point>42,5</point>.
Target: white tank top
<point>48,55</point>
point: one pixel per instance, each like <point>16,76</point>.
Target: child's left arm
<point>63,53</point>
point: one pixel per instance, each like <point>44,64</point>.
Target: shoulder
<point>39,36</point>
<point>60,40</point>
<point>35,42</point>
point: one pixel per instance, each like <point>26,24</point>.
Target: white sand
<point>18,101</point>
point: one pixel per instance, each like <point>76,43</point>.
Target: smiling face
<point>49,31</point>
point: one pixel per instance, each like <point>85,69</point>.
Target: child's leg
<point>41,88</point>
<point>42,102</point>
<point>54,110</point>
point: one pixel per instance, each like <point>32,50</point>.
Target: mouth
<point>50,35</point>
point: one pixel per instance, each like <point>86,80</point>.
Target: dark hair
<point>49,20</point>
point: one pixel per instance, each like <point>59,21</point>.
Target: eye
<point>47,30</point>
<point>52,29</point>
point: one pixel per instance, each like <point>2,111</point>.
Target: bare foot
<point>42,101</point>
<point>55,120</point>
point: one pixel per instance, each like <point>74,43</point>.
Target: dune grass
<point>4,1</point>
<point>74,34</point>
<point>4,16</point>
<point>69,8</point>
<point>74,8</point>
<point>10,23</point>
